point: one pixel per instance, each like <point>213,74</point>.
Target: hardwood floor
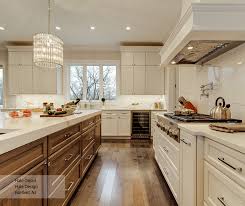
<point>124,174</point>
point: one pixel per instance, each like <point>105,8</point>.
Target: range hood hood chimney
<point>205,32</point>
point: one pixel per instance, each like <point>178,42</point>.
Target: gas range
<point>199,118</point>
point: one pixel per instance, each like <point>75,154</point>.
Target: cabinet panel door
<point>109,126</point>
<point>44,81</point>
<point>154,80</point>
<point>127,58</point>
<point>127,80</point>
<point>124,126</point>
<point>41,172</point>
<point>188,170</point>
<point>14,79</point>
<point>139,58</point>
<point>20,57</point>
<point>139,80</point>
<point>26,77</point>
<point>153,59</point>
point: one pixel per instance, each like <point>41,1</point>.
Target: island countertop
<point>21,131</point>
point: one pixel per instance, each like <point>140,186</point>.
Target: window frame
<point>100,64</point>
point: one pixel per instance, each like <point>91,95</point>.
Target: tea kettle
<point>219,111</point>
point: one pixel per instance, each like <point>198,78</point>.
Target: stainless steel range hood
<point>205,32</point>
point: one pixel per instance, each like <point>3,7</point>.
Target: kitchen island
<point>62,148</point>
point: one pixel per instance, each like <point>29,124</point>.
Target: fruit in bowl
<point>15,114</point>
<point>27,113</point>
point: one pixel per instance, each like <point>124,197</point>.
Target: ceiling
<point>150,20</point>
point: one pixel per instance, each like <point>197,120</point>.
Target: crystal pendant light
<point>47,48</point>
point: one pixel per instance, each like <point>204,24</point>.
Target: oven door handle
<point>184,141</point>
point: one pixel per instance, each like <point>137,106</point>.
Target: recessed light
<point>2,28</point>
<point>239,63</point>
<point>58,28</point>
<point>128,28</point>
<point>92,27</point>
<point>190,47</point>
<point>173,62</point>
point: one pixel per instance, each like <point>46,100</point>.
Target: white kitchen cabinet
<point>124,124</point>
<point>46,81</point>
<point>127,59</point>
<point>220,190</point>
<point>116,124</point>
<point>25,78</point>
<point>20,79</point>
<point>109,125</point>
<point>136,78</point>
<point>139,80</point>
<point>188,168</point>
<point>20,58</point>
<point>133,58</point>
<point>139,58</point>
<point>153,59</point>
<point>154,80</point>
<point>127,80</point>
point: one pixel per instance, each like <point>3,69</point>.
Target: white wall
<point>228,78</point>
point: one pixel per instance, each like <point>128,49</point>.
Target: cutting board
<point>60,115</point>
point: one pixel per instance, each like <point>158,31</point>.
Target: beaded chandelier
<point>47,48</point>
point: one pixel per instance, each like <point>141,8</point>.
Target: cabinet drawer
<point>87,139</point>
<point>170,150</point>
<point>97,119</point>
<point>220,190</point>
<point>60,160</point>
<point>170,175</point>
<point>85,125</point>
<point>61,138</point>
<point>87,160</point>
<point>71,181</point>
<point>22,159</point>
<point>229,161</point>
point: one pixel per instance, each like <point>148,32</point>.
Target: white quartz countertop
<point>233,140</point>
<point>21,131</point>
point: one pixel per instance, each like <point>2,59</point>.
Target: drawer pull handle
<point>69,157</point>
<point>67,135</point>
<point>222,200</point>
<point>187,143</point>
<point>70,186</point>
<point>234,168</point>
<point>89,157</point>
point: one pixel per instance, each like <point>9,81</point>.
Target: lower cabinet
<point>20,200</point>
<point>64,156</point>
<point>188,169</point>
<point>116,124</point>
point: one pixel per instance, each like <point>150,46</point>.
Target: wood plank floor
<point>124,174</point>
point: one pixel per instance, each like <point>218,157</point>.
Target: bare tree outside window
<point>93,79</point>
<point>109,79</point>
<point>93,84</point>
<point>76,82</point>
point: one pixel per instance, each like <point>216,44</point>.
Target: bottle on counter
<point>45,104</point>
<point>51,105</point>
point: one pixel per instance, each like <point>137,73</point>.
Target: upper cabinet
<point>25,78</point>
<point>133,58</point>
<point>141,73</point>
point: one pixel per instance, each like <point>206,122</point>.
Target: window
<point>1,85</point>
<point>76,82</point>
<point>92,82</point>
<point>109,79</point>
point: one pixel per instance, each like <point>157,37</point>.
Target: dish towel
<point>228,127</point>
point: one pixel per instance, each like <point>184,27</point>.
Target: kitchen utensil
<point>218,112</point>
<point>228,111</point>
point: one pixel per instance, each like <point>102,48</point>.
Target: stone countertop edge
<point>18,138</point>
